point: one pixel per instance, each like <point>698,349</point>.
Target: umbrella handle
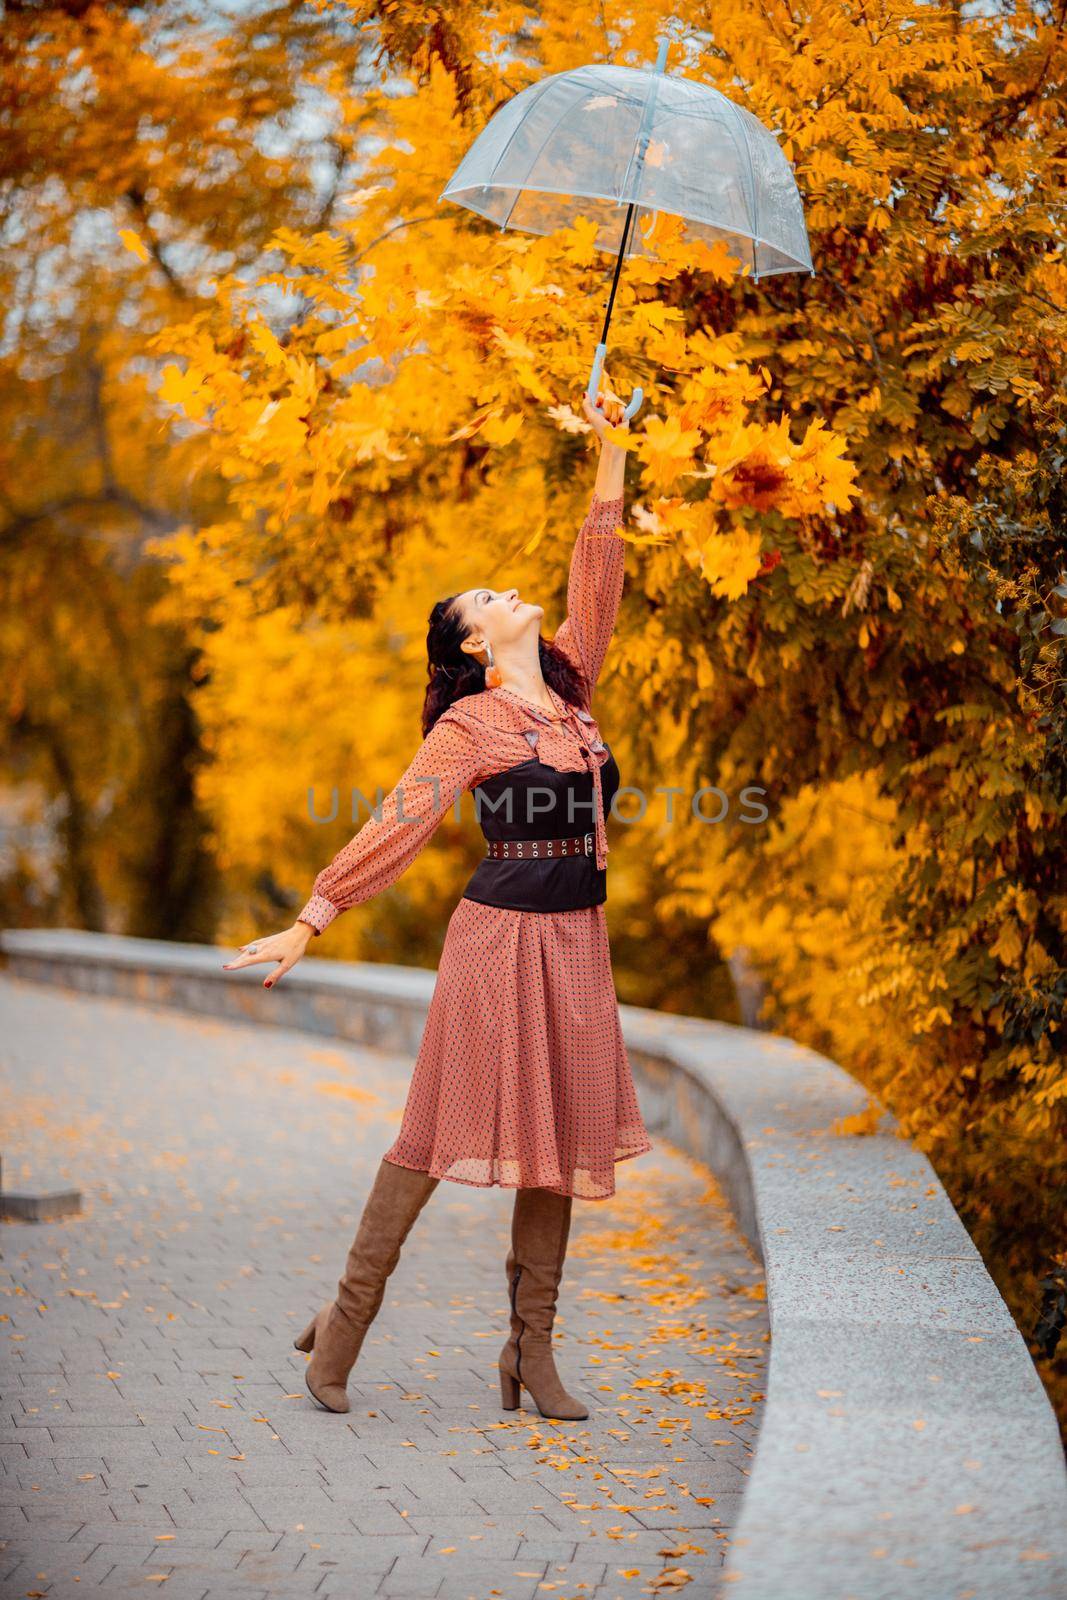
<point>636,399</point>
<point>636,402</point>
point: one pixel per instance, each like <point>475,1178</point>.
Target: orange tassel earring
<point>493,678</point>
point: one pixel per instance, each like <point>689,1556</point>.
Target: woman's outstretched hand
<point>284,948</point>
<point>607,413</point>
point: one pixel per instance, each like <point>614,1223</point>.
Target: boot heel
<point>509,1391</point>
<point>306,1340</point>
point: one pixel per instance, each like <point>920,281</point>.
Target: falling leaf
<point>187,390</point>
<point>266,343</point>
<point>359,197</point>
<point>503,430</point>
<point>134,244</point>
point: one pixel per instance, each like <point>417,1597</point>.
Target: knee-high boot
<point>539,1232</point>
<point>335,1335</point>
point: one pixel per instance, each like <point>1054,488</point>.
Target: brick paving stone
<point>149,1381</point>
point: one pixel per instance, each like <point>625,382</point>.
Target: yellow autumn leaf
<point>359,197</point>
<point>134,244</point>
<point>513,346</point>
<point>730,561</point>
<point>531,381</point>
<point>715,259</point>
<point>502,430</point>
<point>185,389</point>
<point>666,448</point>
<point>348,1091</point>
<point>577,241</point>
<point>265,342</point>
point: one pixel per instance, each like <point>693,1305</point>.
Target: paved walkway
<point>157,1436</point>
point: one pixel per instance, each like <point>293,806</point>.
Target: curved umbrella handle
<point>636,399</point>
<point>636,402</point>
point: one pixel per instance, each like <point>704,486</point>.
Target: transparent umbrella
<point>619,145</point>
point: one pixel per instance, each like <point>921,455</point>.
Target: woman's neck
<point>527,681</point>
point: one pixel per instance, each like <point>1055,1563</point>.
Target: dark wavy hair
<point>453,672</point>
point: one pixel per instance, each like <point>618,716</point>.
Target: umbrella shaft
<point>618,269</point>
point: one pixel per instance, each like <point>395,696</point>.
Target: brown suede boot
<point>540,1227</point>
<point>335,1335</point>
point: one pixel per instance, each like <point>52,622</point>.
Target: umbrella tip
<point>673,29</point>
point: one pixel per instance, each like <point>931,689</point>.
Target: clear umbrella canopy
<point>597,139</point>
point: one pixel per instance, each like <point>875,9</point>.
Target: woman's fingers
<point>606,412</point>
<point>251,954</point>
<point>283,948</point>
<point>597,411</point>
<point>613,407</point>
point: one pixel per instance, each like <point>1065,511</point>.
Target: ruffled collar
<point>563,710</point>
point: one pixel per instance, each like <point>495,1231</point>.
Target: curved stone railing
<point>907,1450</point>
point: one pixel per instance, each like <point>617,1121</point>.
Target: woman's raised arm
<point>594,584</point>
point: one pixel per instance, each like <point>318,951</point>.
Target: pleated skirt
<point>522,1077</point>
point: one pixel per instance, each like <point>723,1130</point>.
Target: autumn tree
<point>189,136</point>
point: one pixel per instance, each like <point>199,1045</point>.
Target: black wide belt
<point>540,849</point>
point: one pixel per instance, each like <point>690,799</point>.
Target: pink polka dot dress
<point>522,1077</point>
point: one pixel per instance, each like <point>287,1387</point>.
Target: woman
<point>522,1077</point>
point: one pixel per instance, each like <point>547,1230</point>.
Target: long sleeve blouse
<point>594,588</point>
<point>482,734</point>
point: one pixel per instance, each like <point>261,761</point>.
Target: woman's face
<point>496,617</point>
